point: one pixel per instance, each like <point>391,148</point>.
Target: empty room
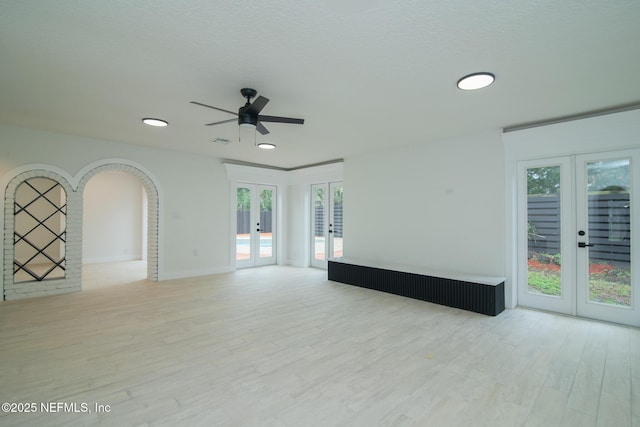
<point>320,213</point>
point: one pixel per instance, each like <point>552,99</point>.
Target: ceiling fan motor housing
<point>246,117</point>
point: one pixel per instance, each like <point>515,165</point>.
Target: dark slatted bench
<point>480,294</point>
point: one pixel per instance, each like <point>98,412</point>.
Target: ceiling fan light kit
<point>476,81</point>
<point>249,114</point>
<point>247,133</point>
<point>267,146</point>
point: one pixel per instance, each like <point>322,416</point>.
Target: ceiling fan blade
<point>275,119</point>
<point>215,108</point>
<point>258,104</point>
<point>219,123</point>
<point>260,128</point>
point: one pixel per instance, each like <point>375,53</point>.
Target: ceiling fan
<point>249,114</point>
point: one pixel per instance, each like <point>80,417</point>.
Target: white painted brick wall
<point>73,248</point>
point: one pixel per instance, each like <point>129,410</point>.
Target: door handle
<point>584,245</point>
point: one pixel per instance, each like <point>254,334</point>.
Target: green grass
<point>608,292</point>
<point>610,287</point>
<point>543,282</point>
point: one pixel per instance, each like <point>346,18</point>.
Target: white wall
<point>435,205</point>
<point>299,246</point>
<point>112,218</point>
<point>194,192</point>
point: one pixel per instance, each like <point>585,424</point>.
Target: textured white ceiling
<point>365,75</point>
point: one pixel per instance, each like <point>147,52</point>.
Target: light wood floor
<point>96,276</point>
<point>282,346</point>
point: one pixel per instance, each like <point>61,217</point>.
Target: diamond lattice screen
<point>40,230</point>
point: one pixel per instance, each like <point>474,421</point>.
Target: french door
<point>577,235</point>
<point>256,225</point>
<point>326,222</point>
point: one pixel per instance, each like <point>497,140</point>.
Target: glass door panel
<point>608,207</point>
<point>243,224</point>
<point>266,223</point>
<point>318,222</point>
<point>544,265</point>
<point>335,221</point>
<point>545,204</point>
<point>606,238</point>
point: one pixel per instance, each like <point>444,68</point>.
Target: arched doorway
<point>114,230</point>
<point>149,210</point>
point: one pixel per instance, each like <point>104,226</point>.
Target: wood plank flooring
<point>282,346</point>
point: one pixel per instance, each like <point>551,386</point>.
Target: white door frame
<point>255,227</point>
<point>575,261</point>
<point>328,223</point>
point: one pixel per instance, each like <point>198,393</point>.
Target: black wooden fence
<point>244,225</point>
<point>609,226</point>
<point>336,225</point>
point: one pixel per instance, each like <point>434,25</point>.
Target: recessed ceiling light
<point>476,81</point>
<point>155,122</point>
<point>266,146</point>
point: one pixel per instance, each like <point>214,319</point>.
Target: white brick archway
<point>74,187</point>
<point>73,252</point>
<point>152,208</point>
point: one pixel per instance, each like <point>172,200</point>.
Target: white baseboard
<point>193,273</point>
<point>297,263</point>
<point>104,260</point>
